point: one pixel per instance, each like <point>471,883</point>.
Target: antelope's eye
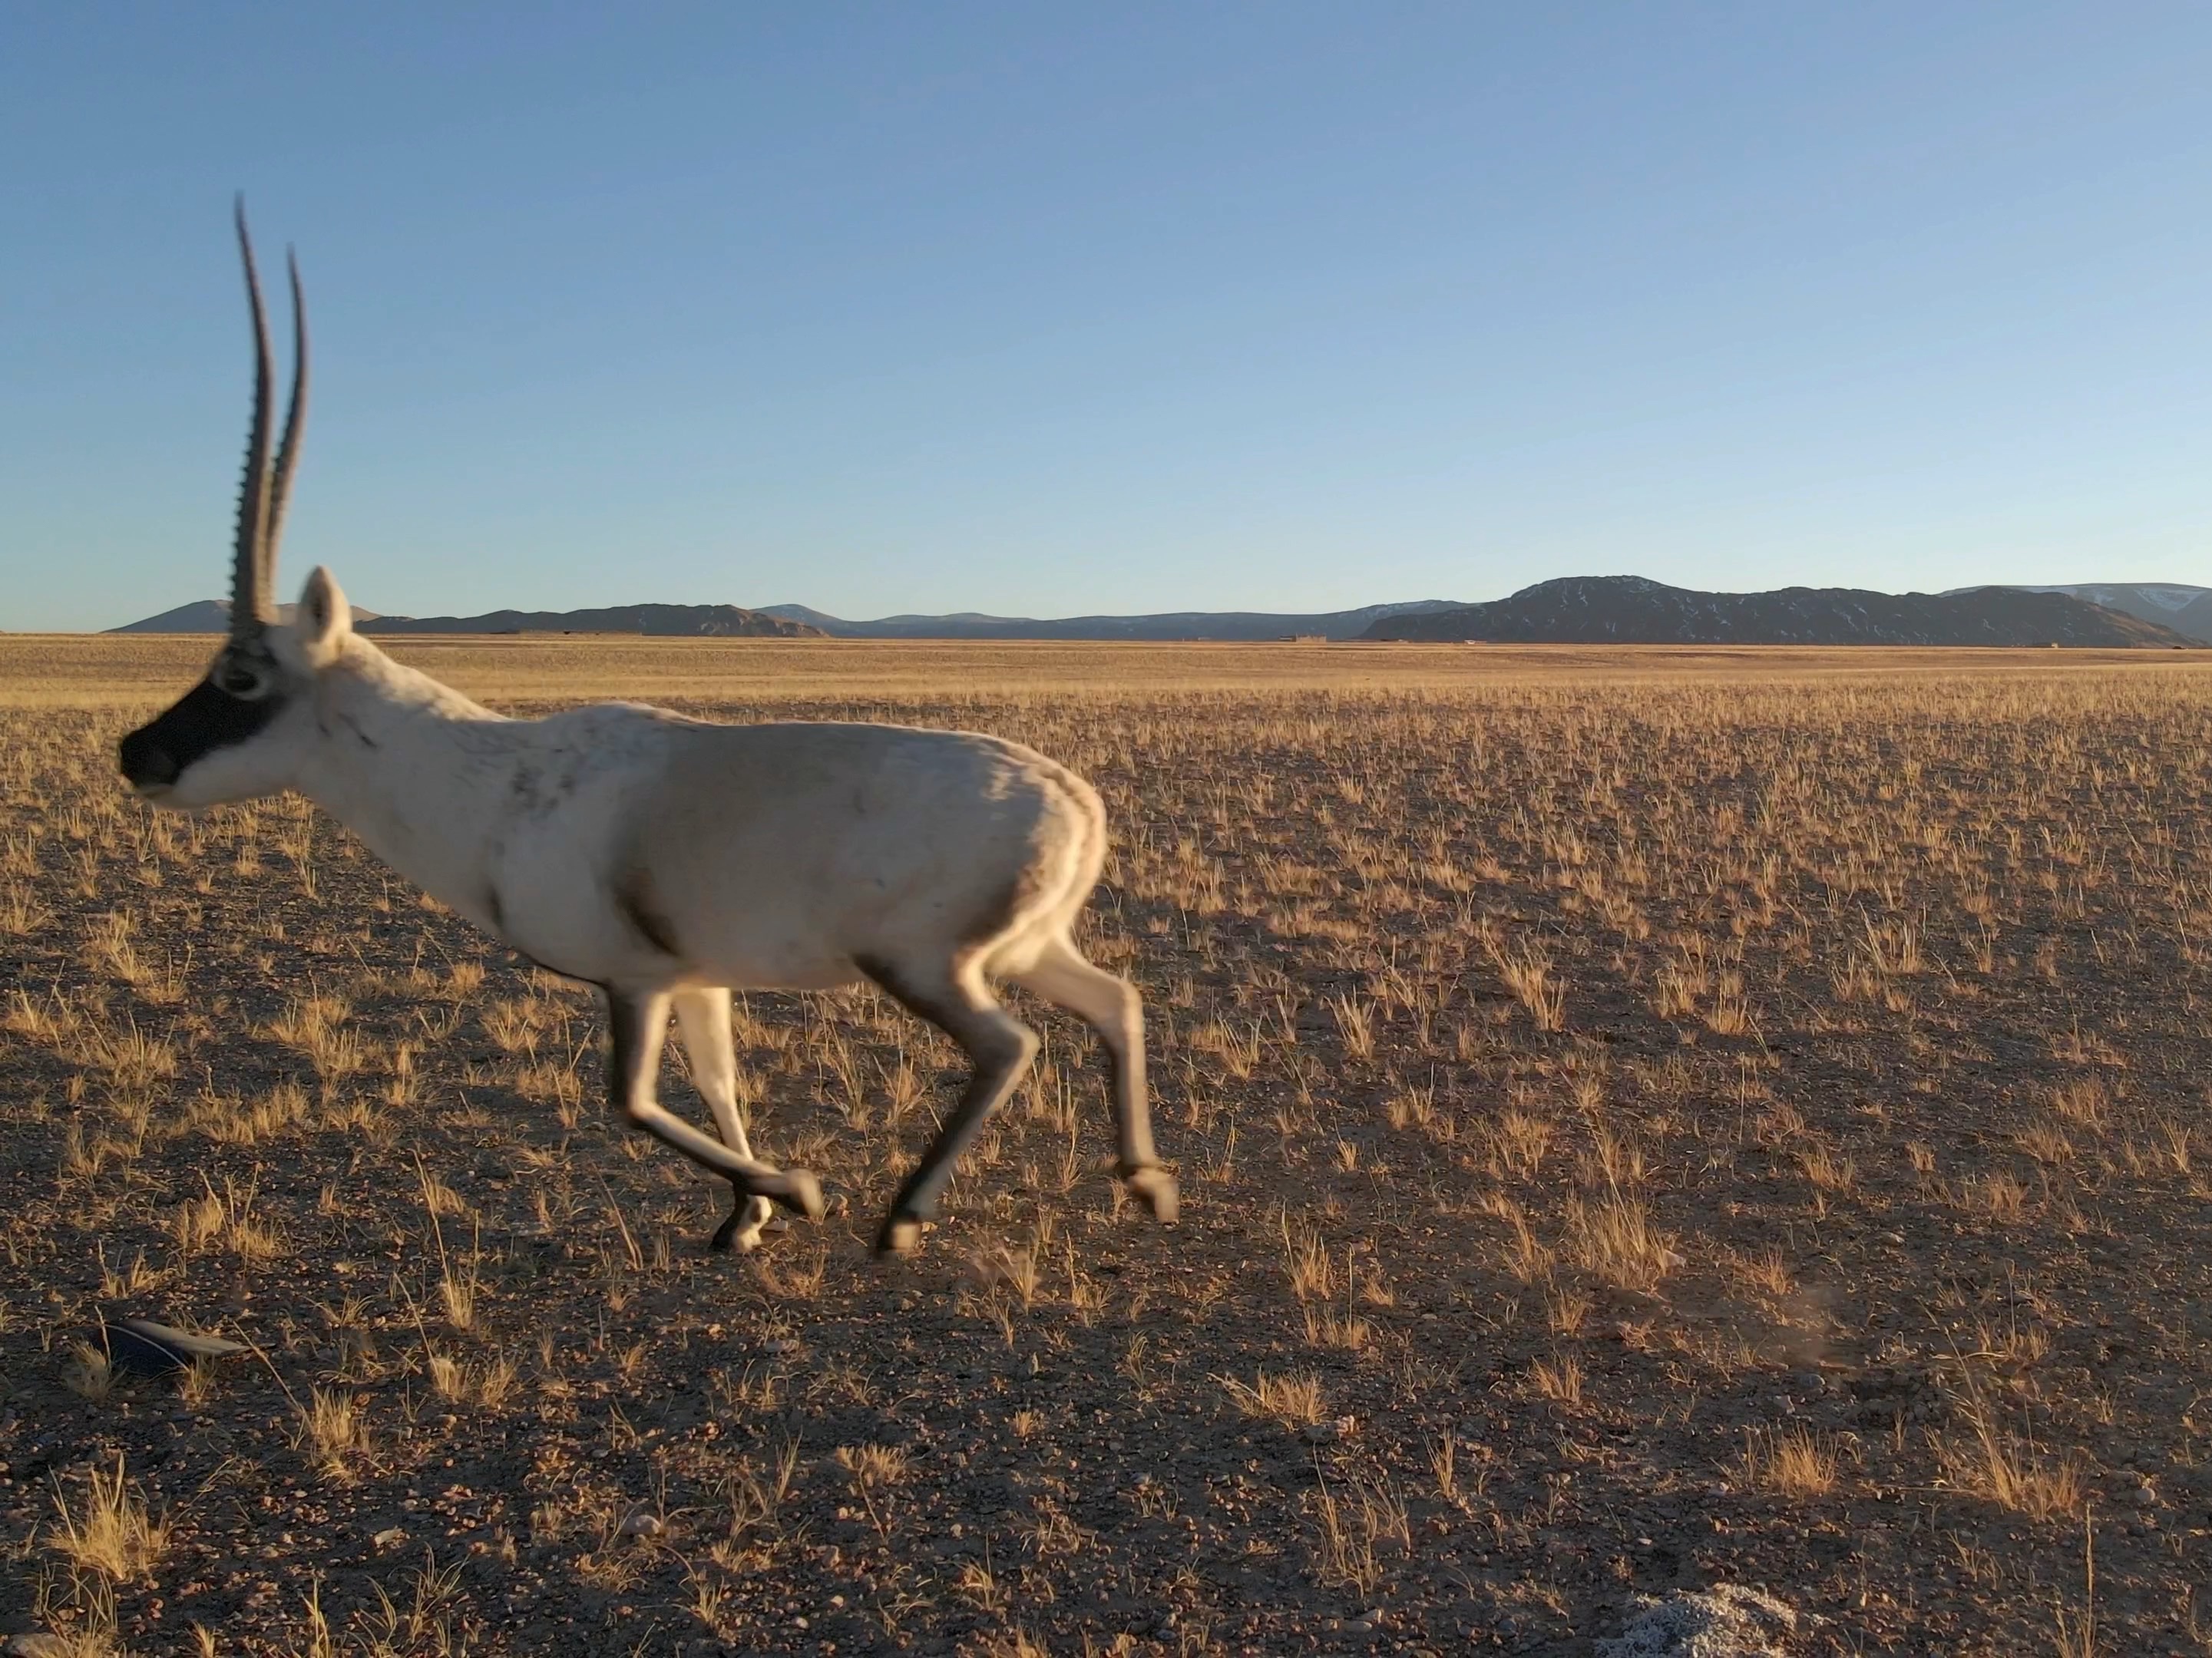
<point>247,681</point>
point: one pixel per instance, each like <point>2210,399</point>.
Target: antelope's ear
<point>324,619</point>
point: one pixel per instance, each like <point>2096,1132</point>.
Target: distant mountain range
<point>1626,610</point>
<point>1576,609</point>
<point>212,616</point>
<point>1167,625</point>
<point>652,621</point>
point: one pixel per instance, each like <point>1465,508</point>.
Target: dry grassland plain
<point>1646,1119</point>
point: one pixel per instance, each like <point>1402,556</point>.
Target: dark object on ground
<point>145,1348</point>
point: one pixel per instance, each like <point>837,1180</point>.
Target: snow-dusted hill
<point>2174,604</point>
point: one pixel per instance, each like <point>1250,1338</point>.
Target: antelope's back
<point>815,842</point>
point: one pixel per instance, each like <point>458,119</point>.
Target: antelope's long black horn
<point>288,452</point>
<point>251,607</point>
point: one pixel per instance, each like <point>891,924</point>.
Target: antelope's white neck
<point>415,768</point>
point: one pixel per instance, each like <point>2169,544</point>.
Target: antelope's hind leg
<point>1110,1005</point>
<point>958,1003</point>
<point>703,1017</point>
<point>637,1026</point>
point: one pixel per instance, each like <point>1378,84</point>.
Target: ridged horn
<point>251,609</point>
<point>288,452</point>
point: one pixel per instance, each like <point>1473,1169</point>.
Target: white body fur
<point>775,854</point>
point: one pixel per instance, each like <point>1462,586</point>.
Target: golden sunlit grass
<point>1358,1524</point>
<point>332,1431</point>
<point>224,1220</point>
<point>2009,1470</point>
<point>1294,1399</point>
<point>109,1528</point>
<point>1613,1237</point>
<point>1792,1462</point>
<point>2014,1477</point>
<point>1558,1379</point>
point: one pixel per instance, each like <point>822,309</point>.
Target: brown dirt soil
<point>1647,1120</point>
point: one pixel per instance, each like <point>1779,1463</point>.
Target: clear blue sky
<point>1046,309</point>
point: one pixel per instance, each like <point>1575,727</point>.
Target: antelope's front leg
<point>637,1026</point>
<point>703,1017</point>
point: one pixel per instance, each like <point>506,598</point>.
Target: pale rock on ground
<point>1726,1621</point>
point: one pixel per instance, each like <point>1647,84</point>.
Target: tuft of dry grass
<point>225,1220</point>
<point>1792,1462</point>
<point>1559,1378</point>
<point>873,1467</point>
<point>2014,1474</point>
<point>1295,1400</point>
<point>1526,968</point>
<point>110,1529</point>
<point>331,1428</point>
<point>1358,1524</point>
<point>1518,1141</point>
<point>1307,1260</point>
<point>1827,1170</point>
<point>1613,1238</point>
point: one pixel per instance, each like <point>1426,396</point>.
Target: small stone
<point>643,1525</point>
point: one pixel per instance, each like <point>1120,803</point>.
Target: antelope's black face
<point>224,740</point>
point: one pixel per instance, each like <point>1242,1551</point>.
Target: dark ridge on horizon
<point>2175,604</point>
<point>1573,610</point>
<point>647,621</point>
<point>1166,625</point>
<point>1626,610</point>
<point>210,615</point>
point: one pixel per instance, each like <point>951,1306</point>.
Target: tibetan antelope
<point>667,860</point>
